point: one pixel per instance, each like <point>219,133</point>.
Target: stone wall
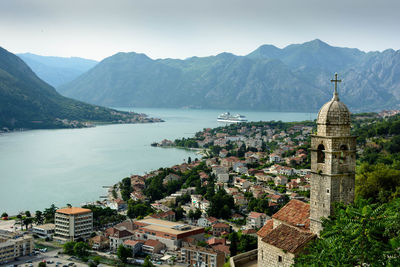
<point>243,258</point>
<point>272,256</point>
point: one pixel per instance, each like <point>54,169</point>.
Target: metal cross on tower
<point>335,95</point>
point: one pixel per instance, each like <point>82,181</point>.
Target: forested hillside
<point>57,71</point>
<point>28,102</point>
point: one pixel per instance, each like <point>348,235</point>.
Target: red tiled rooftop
<point>254,214</point>
<point>222,248</point>
<point>132,242</point>
<point>221,225</point>
<point>249,231</point>
<point>296,213</point>
<point>152,243</point>
<point>288,238</point>
<point>268,226</point>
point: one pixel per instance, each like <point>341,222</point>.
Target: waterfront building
<point>73,223</point>
<point>44,230</point>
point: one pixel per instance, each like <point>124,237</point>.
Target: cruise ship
<point>227,117</point>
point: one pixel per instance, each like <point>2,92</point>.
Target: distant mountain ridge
<point>57,71</point>
<point>295,78</point>
<point>28,102</point>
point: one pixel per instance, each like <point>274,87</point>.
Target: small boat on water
<point>227,117</point>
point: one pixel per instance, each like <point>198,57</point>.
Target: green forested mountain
<point>28,102</point>
<point>57,71</point>
<point>295,78</point>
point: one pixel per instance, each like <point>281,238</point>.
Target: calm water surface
<point>41,167</point>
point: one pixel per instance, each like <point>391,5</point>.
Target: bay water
<point>42,167</point>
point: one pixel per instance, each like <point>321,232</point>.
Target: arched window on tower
<point>343,149</point>
<point>321,154</point>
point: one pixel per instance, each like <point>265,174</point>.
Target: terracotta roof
<point>122,233</point>
<point>132,242</point>
<point>128,224</point>
<point>99,238</point>
<point>249,231</point>
<point>254,214</point>
<point>268,226</point>
<point>212,219</point>
<point>214,241</point>
<point>220,225</point>
<point>296,213</point>
<point>222,248</point>
<point>198,248</point>
<point>288,238</point>
<point>110,231</point>
<point>152,243</point>
<point>73,211</point>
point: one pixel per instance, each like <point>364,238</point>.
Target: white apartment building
<point>73,223</point>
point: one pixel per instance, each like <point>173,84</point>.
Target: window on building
<point>279,258</point>
<point>321,154</point>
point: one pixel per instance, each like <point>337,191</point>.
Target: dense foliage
<point>104,216</point>
<point>366,233</point>
<point>378,170</point>
<point>221,205</point>
<point>362,234</point>
<point>156,189</point>
<point>138,209</point>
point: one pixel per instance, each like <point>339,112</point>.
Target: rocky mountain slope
<point>295,78</point>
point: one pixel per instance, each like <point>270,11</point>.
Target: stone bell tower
<point>333,161</point>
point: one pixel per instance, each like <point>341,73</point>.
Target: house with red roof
<point>219,228</point>
<point>152,246</point>
<point>285,235</point>
<point>256,219</point>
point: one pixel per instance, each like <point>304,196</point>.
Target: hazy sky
<point>182,28</point>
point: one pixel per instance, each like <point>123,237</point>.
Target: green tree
<point>138,208</point>
<point>233,247</point>
<point>19,217</point>
<point>42,264</point>
<point>377,182</point>
<point>147,262</point>
<point>28,213</point>
<point>4,214</point>
<point>68,247</point>
<point>361,234</point>
<point>124,253</point>
<point>49,214</point>
<point>27,221</point>
<point>38,217</point>
<point>126,188</point>
<point>81,249</point>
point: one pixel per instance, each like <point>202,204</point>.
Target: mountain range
<point>295,78</point>
<point>28,102</point>
<point>57,71</point>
